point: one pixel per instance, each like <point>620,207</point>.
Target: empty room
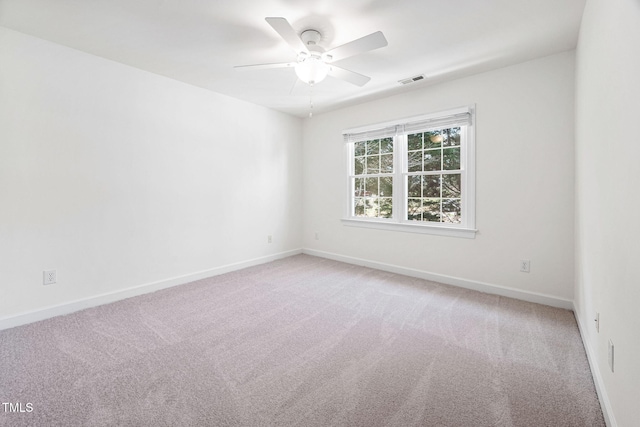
<point>297,213</point>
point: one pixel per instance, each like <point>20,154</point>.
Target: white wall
<point>525,173</point>
<point>116,177</point>
<point>608,198</point>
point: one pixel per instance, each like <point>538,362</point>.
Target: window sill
<point>467,233</point>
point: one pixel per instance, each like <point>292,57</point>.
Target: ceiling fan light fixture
<point>312,70</point>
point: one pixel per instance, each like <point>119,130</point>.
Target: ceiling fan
<point>313,63</point>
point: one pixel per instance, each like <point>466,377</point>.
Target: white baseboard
<point>605,404</point>
<point>73,306</point>
<point>450,280</point>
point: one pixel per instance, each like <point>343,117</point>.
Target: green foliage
<point>433,197</point>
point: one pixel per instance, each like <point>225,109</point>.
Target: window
<point>433,176</point>
<point>414,175</point>
<point>373,178</point>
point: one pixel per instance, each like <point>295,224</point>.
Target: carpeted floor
<point>303,341</point>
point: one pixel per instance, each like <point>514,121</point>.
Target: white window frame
<point>398,222</point>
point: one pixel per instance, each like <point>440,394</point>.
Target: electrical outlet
<point>269,239</point>
<point>317,236</point>
<point>597,320</point>
<point>49,277</point>
<point>610,353</point>
<point>525,265</point>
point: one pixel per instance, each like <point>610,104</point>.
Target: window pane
<point>386,186</point>
<point>431,210</point>
<point>431,186</point>
<point>386,207</point>
<point>373,164</point>
<point>358,187</point>
<point>415,141</point>
<point>358,207</point>
<point>451,185</point>
<point>371,208</point>
<point>451,211</point>
<point>414,208</point>
<point>452,137</point>
<point>371,187</point>
<point>414,163</point>
<point>359,148</point>
<point>386,145</point>
<point>451,158</point>
<point>373,147</point>
<point>386,163</point>
<point>413,186</point>
<point>359,165</point>
<point>433,139</point>
<point>432,160</point>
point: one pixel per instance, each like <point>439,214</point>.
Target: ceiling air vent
<point>412,79</point>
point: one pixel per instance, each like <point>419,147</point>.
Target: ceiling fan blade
<point>287,32</point>
<point>364,44</point>
<point>266,66</point>
<point>349,76</point>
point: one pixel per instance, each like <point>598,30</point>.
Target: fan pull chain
<point>310,100</point>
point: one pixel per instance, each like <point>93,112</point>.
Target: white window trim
<point>467,160</point>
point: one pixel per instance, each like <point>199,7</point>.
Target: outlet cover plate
<point>49,277</point>
<point>611,355</point>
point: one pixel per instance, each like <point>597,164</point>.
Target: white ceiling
<point>199,41</point>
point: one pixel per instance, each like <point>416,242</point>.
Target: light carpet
<point>302,341</point>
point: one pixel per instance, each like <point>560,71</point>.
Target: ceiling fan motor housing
<point>310,38</point>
